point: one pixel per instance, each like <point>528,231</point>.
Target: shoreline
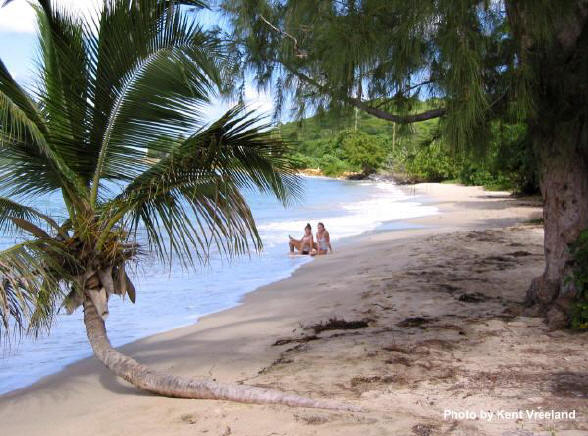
<point>266,340</point>
<point>344,241</point>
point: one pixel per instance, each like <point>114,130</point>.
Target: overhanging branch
<point>401,119</point>
<point>378,113</point>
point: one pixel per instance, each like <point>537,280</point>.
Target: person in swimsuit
<point>304,245</point>
<point>323,240</point>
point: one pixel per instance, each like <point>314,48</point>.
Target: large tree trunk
<point>564,185</point>
<point>159,383</point>
<point>557,70</point>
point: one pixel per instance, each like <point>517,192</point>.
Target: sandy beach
<point>413,326</point>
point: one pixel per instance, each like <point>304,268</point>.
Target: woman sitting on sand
<point>304,245</point>
<point>323,240</point>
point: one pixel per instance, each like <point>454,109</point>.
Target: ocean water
<point>170,297</point>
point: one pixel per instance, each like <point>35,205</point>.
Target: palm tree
<point>107,88</point>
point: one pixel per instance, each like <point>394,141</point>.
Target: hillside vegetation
<point>353,141</point>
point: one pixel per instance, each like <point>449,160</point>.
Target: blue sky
<point>18,42</point>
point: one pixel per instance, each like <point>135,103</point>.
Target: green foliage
<point>301,161</point>
<point>157,149</point>
<point>362,151</point>
<point>424,162</point>
<point>514,157</point>
<point>507,162</point>
<point>579,279</point>
<point>332,166</point>
<point>419,153</point>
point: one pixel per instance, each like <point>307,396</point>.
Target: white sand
<point>445,332</point>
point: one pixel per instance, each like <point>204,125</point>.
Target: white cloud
<point>19,16</point>
<point>260,100</point>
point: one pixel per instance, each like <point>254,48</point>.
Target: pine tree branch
<point>357,102</point>
<point>299,53</point>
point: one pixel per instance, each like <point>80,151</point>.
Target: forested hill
<point>354,141</point>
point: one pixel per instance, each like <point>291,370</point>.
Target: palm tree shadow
<point>114,384</point>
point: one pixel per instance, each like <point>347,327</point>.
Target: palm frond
<point>153,70</point>
<point>25,165</point>
<point>64,87</point>
<point>10,209</point>
<point>19,116</point>
<point>242,147</point>
<point>186,222</point>
<point>191,200</point>
<point>30,284</point>
<point>25,144</point>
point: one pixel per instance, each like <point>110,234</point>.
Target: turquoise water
<point>169,297</point>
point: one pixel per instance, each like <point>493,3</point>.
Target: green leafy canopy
<point>477,60</point>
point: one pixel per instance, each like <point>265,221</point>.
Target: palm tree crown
<point>108,87</point>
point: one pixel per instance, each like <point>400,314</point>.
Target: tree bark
<point>564,185</point>
<point>159,383</point>
<point>401,119</point>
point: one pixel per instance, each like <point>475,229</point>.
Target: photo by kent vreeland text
<point>528,414</point>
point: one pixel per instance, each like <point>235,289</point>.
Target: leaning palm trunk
<point>111,91</point>
<point>159,383</point>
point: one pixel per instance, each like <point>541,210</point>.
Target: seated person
<point>323,240</point>
<point>304,245</point>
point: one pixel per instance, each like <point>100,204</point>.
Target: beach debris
<point>517,432</point>
<point>338,335</point>
<point>362,380</point>
<point>302,339</point>
<point>282,360</point>
<point>440,344</point>
<point>410,350</point>
<point>189,418</point>
<point>400,360</point>
<point>450,289</point>
<point>415,321</point>
<point>498,259</point>
<point>519,253</point>
<point>423,429</point>
<point>339,324</point>
<point>570,384</point>
<point>399,348</point>
<point>473,297</point>
<point>312,419</point>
